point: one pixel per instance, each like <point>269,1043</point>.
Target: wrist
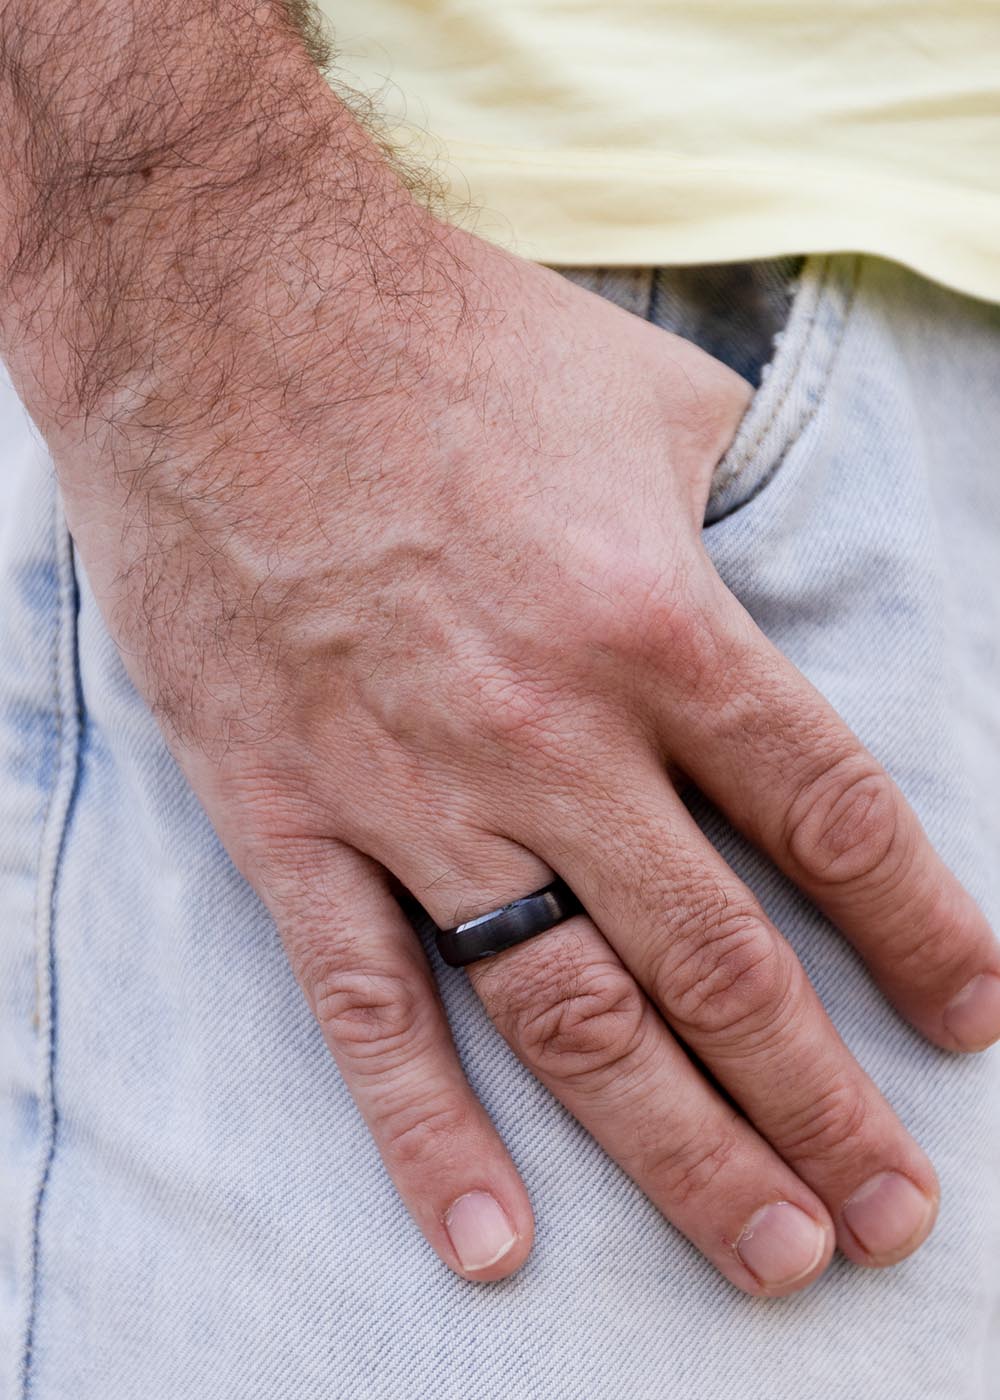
<point>155,229</point>
<point>149,261</point>
<point>231,294</point>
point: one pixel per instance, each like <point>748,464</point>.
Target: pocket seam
<point>65,691</point>
<point>822,303</point>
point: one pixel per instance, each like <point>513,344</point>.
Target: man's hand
<point>400,536</point>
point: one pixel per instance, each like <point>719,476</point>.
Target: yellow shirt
<point>653,131</point>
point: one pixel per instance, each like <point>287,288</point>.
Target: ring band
<point>513,923</point>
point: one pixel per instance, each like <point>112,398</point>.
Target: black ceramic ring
<point>503,928</point>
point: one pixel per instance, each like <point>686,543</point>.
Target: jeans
<point>190,1206</point>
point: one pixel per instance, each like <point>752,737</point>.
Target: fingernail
<point>479,1230</point>
<point>973,1017</point>
<point>887,1214</point>
<point>780,1243</point>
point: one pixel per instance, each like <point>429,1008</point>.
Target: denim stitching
<point>67,718</point>
<point>830,314</point>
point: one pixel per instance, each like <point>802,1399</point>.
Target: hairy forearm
<point>231,321</point>
<point>184,201</point>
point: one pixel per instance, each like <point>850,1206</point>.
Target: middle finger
<point>732,988</point>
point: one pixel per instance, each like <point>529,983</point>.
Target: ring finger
<point>576,1017</point>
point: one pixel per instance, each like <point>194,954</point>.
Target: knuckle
<point>844,826</point>
<point>264,843</point>
<point>576,1023</point>
<point>926,953</point>
<point>512,710</point>
<point>726,980</point>
<point>421,1130</point>
<point>936,943</point>
<point>651,613</point>
<point>374,1018</point>
<point>830,1127</point>
<point>687,1170</point>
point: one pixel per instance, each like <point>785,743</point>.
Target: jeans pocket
<point>791,384</point>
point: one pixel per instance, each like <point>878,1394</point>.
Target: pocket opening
<point>792,383</point>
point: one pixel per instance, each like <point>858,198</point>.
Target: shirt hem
<point>619,215</point>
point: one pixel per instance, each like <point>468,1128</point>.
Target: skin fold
<point>400,537</point>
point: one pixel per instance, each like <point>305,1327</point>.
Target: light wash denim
<point>190,1206</point>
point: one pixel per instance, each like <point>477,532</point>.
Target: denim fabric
<point>733,310</point>
<point>190,1206</point>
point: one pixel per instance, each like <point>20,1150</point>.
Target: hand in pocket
<point>426,598</point>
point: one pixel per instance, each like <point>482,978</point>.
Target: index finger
<point>776,758</point>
